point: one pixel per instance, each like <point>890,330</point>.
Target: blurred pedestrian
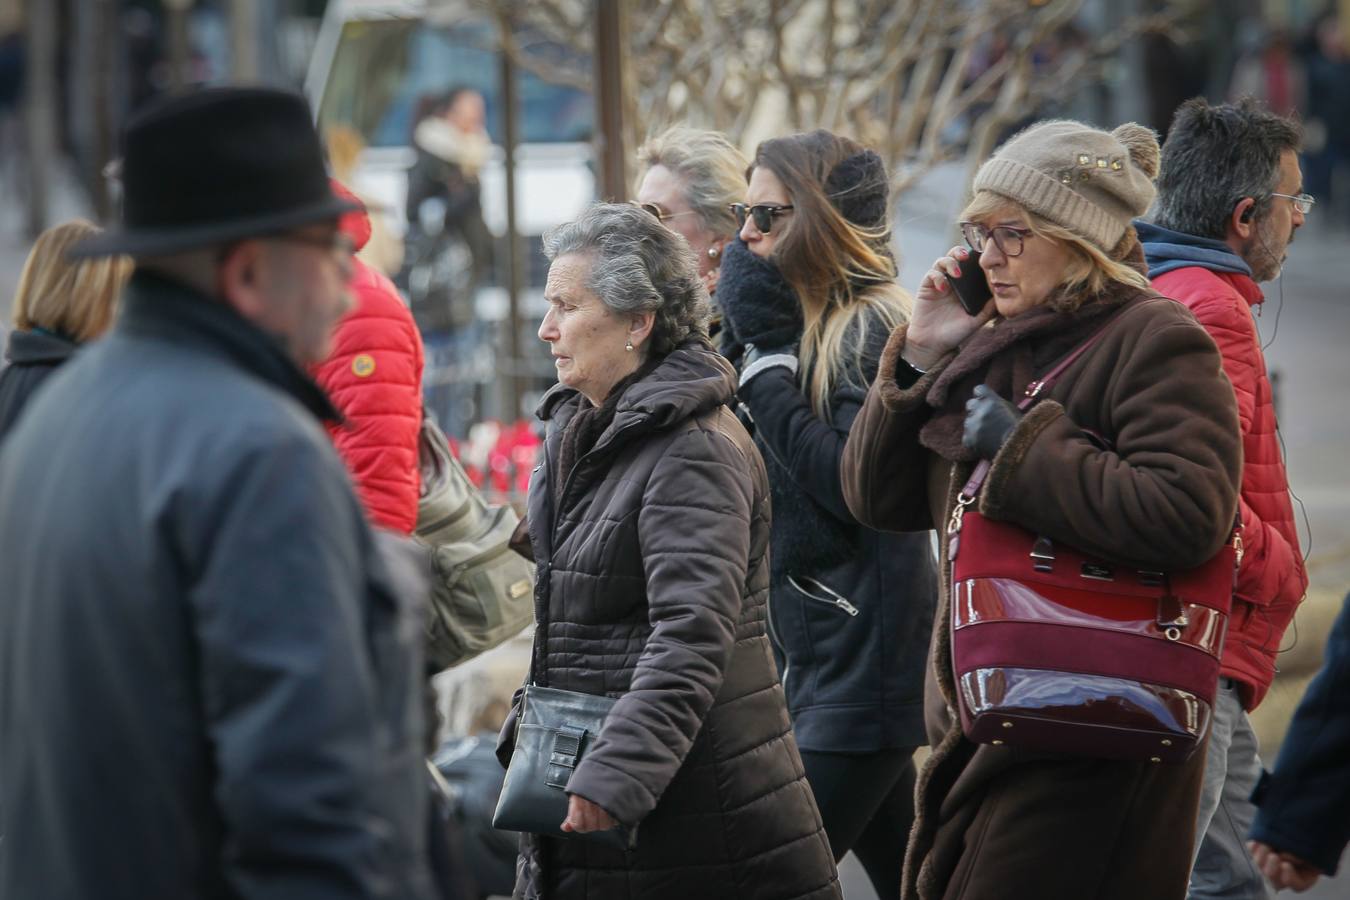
<point>208,679</point>
<point>374,378</point>
<point>1133,456</point>
<point>1303,824</point>
<point>649,520</point>
<point>809,291</point>
<point>58,305</point>
<point>449,247</point>
<point>1230,197</point>
<point>1328,127</point>
<point>1269,71</point>
<point>689,182</point>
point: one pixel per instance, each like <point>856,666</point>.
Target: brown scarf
<point>1010,353</point>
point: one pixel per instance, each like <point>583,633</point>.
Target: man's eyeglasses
<point>1007,238</point>
<point>1302,202</point>
<point>338,244</point>
<point>762,213</point>
<point>661,214</point>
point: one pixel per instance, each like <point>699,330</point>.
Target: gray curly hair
<point>638,265</point>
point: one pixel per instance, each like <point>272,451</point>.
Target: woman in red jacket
<point>374,378</point>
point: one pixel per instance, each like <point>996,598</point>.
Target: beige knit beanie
<point>1082,178</point>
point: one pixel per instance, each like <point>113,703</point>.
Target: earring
<point>712,252</point>
<point>629,347</point>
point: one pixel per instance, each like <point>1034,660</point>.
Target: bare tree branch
<point>924,81</point>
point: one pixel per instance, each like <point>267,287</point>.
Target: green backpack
<point>482,591</point>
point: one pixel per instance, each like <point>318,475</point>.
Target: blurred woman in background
<point>59,305</point>
<point>809,296</point>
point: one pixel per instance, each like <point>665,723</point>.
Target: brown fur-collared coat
<point>995,822</point>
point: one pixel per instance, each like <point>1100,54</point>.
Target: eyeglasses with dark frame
<point>661,214</point>
<point>338,244</point>
<point>1302,202</point>
<point>1009,239</point>
<point>762,213</point>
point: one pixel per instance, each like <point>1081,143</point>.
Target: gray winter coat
<point>207,687</point>
<point>653,576</point>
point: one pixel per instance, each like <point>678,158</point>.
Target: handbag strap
<point>1034,390</point>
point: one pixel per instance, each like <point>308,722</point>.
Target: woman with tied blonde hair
<point>59,305</point>
<point>809,296</point>
<point>689,182</point>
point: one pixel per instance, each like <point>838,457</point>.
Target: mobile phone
<point>972,288</point>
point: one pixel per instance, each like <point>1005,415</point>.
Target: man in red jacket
<point>374,378</point>
<point>1230,197</point>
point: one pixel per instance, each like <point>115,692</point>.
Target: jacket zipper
<point>831,596</point>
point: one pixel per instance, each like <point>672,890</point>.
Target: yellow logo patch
<point>363,366</point>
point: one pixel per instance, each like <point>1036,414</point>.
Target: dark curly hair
<point>638,265</point>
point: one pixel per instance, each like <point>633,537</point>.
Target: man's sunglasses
<point>762,213</point>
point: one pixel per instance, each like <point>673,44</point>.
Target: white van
<point>374,60</point>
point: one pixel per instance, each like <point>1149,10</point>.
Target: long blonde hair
<point>74,298</point>
<point>843,273</point>
<point>1090,271</point>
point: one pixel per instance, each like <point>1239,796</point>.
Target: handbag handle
<point>1032,393</point>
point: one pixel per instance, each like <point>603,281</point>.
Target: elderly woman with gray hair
<point>649,523</point>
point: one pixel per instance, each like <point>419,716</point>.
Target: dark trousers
<point>866,801</point>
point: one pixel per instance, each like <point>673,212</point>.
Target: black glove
<point>989,421</point>
<point>758,306</point>
<point>728,344</point>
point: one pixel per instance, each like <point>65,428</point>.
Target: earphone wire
<point>1284,450</point>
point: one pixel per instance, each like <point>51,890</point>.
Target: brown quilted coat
<point>653,577</point>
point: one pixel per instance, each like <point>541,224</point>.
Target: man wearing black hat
<point>208,685</point>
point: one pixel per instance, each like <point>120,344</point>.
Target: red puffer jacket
<point>1272,580</point>
<point>374,378</point>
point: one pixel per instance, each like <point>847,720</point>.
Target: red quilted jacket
<point>374,378</point>
<point>1272,580</point>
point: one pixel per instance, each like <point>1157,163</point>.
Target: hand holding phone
<point>972,287</point>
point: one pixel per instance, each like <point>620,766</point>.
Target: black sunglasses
<point>762,213</point>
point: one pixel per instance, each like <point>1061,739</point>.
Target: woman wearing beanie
<point>809,297</point>
<point>1132,454</point>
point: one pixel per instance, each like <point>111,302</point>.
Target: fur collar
<point>446,142</point>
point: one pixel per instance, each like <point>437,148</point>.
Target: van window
<point>383,70</point>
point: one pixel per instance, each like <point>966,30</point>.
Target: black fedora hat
<point>217,165</point>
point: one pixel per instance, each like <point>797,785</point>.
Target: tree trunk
<point>611,90</point>
<point>40,108</point>
<point>245,34</point>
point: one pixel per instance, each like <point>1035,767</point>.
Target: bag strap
<point>1034,390</point>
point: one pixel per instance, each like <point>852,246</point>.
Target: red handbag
<point>1056,650</point>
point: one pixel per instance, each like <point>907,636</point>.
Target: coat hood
<point>356,224</point>
<point>1167,250</point>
